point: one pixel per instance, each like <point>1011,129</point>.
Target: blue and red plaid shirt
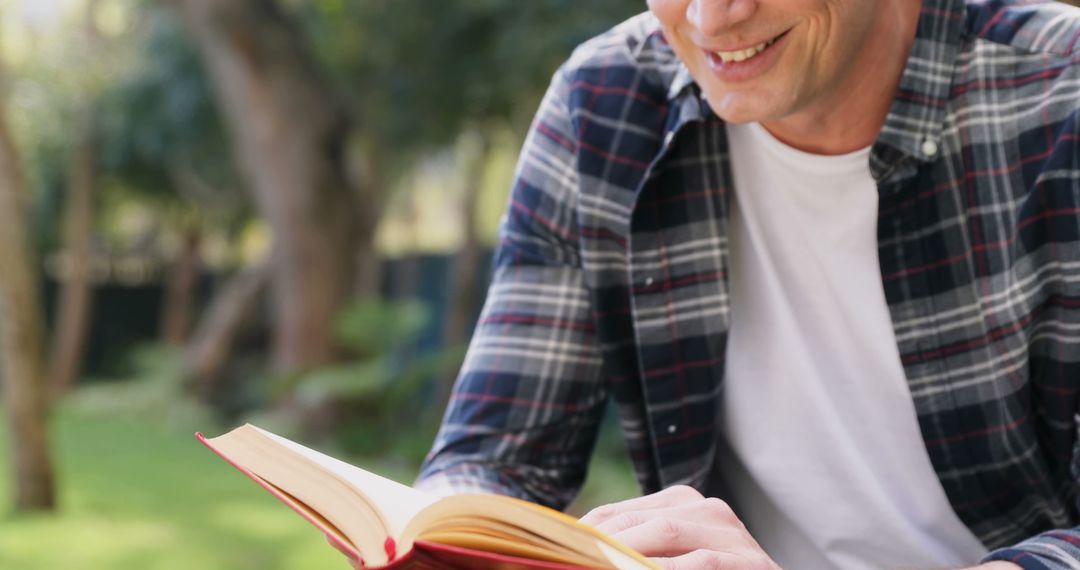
<point>611,275</point>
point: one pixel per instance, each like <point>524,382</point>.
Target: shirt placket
<point>679,369</point>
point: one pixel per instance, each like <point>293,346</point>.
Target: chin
<point>748,107</point>
<point>735,113</point>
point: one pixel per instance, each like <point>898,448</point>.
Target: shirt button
<point>649,281</point>
<point>671,428</point>
<point>929,147</point>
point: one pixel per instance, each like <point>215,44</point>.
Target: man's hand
<point>682,530</point>
<point>679,529</point>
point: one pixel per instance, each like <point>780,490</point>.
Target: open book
<point>386,524</point>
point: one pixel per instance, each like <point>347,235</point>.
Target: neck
<point>850,116</point>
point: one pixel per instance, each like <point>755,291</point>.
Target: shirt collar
<point>916,119</point>
<point>681,81</point>
<point>672,71</point>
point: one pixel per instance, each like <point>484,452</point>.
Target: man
<point>825,256</point>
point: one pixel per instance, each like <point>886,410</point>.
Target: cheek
<point>672,17</point>
<point>669,12</point>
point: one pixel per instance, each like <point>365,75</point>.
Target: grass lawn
<point>136,494</point>
<point>142,496</point>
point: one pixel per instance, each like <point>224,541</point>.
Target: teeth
<point>743,54</point>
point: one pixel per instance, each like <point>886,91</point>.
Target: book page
<point>397,503</point>
<point>526,526</point>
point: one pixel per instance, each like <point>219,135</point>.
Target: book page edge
<point>333,535</point>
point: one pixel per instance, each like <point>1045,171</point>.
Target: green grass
<point>136,493</point>
<point>142,496</point>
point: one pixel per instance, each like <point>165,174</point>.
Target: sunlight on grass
<point>248,519</point>
<point>138,496</point>
<point>82,541</point>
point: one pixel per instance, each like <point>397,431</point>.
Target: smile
<point>744,54</point>
<point>731,66</point>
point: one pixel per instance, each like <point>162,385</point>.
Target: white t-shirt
<point>822,455</point>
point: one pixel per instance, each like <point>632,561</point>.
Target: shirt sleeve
<point>523,415</point>
<point>1053,550</point>
<point>1057,549</point>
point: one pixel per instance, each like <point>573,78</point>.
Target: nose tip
<point>714,17</point>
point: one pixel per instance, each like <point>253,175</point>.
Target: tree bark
<point>72,324</point>
<point>465,291</point>
<point>21,342</point>
<point>76,291</point>
<point>464,287</point>
<point>368,174</point>
<point>181,286</point>
<point>234,305</point>
<point>289,136</point>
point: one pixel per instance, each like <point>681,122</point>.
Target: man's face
<point>768,60</point>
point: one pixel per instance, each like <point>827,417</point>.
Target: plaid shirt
<point>611,275</point>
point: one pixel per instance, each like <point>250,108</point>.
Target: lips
<point>747,63</point>
<point>743,54</point>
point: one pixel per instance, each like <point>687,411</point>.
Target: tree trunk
<point>465,291</point>
<point>21,331</point>
<point>289,136</point>
<point>181,287</point>
<point>76,293</point>
<point>234,305</point>
<point>464,287</point>
<point>368,173</point>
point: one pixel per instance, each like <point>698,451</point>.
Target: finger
<point>677,495</point>
<point>711,560</point>
<point>664,537</point>
<point>711,511</point>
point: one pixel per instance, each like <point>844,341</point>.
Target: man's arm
<point>523,416</point>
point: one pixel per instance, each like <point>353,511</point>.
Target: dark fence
<point>127,315</point>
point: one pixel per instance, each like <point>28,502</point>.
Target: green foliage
<point>381,399</point>
<point>46,94</point>
<point>372,330</point>
<point>153,111</point>
<point>154,393</point>
<point>370,327</point>
<point>414,75</point>
<point>418,72</point>
<point>160,121</point>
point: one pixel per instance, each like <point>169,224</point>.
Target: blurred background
<point>219,211</point>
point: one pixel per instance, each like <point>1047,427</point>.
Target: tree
<point>289,137</point>
<point>465,294</point>
<point>76,290</point>
<point>164,143</point>
<point>315,93</point>
<point>21,338</point>
<point>423,75</point>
